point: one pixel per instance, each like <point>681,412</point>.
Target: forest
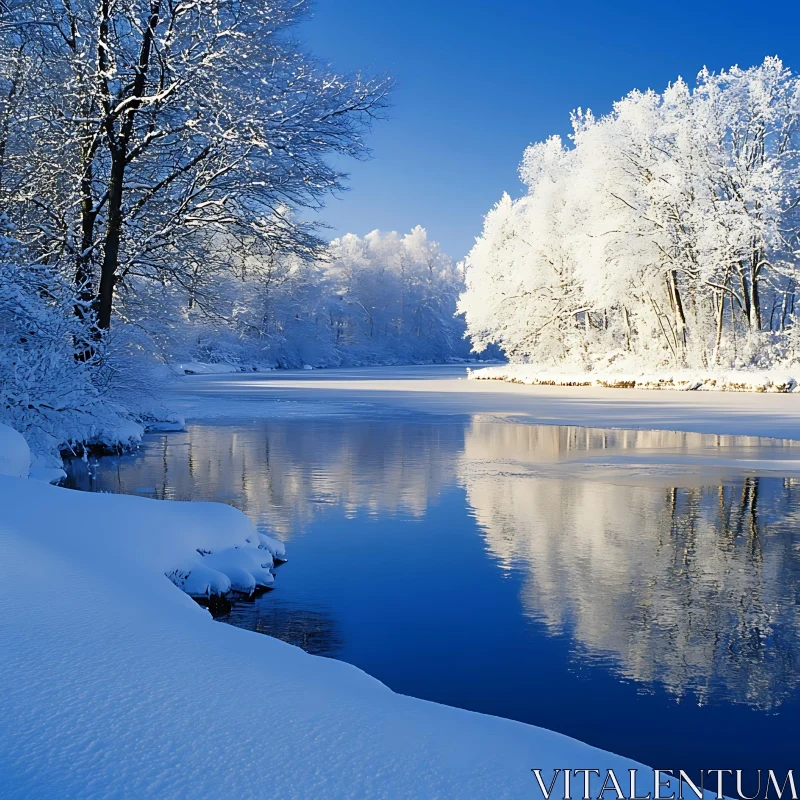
<point>664,234</point>
<point>159,163</point>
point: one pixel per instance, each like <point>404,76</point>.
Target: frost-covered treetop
<point>666,231</point>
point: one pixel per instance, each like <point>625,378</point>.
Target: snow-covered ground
<point>114,683</point>
<point>681,380</point>
<point>446,390</point>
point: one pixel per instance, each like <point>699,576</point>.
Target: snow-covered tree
<point>57,400</point>
<point>395,295</point>
<point>135,133</point>
<point>151,156</point>
<point>667,233</point>
<point>383,298</point>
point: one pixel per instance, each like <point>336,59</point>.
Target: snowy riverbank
<point>681,380</point>
<point>116,684</point>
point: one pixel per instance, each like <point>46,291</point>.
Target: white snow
<point>116,684</point>
<point>681,380</point>
<point>47,474</point>
<point>15,455</point>
<point>200,368</point>
<point>174,423</point>
<point>438,390</point>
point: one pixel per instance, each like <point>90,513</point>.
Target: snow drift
<point>15,456</point>
<point>682,380</point>
<point>113,683</point>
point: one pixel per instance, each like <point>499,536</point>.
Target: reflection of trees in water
<point>314,630</point>
<point>490,441</point>
<point>283,472</point>
<point>694,588</point>
<point>735,574</point>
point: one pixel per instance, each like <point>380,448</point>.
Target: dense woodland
<point>663,234</point>
<point>160,160</point>
<point>158,163</point>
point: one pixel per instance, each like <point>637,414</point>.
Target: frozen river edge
<point>115,684</point>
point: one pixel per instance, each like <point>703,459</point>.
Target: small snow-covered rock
<point>15,455</point>
<point>274,547</point>
<point>247,567</point>
<point>199,580</point>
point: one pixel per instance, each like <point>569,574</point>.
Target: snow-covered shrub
<point>48,392</point>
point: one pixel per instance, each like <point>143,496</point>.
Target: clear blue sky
<point>477,81</point>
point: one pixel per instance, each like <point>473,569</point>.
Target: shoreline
<point>757,381</point>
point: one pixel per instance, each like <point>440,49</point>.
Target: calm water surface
<point>623,587</point>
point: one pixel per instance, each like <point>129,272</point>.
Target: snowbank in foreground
<point>113,683</point>
<point>682,380</point>
<point>15,455</point>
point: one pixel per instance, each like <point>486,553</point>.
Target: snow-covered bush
<point>55,388</point>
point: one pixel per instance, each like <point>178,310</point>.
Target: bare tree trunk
<point>677,307</point>
<point>755,300</point>
<point>720,318</point>
<point>746,295</point>
<point>785,306</point>
<point>118,144</point>
<point>626,316</point>
<point>84,279</point>
<point>108,272</point>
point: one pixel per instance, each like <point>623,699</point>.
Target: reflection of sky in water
<point>599,583</point>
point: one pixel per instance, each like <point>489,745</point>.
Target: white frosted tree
<point>395,295</point>
<point>669,228</point>
<point>135,133</point>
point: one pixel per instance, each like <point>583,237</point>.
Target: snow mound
<point>115,684</point>
<point>247,568</point>
<point>124,435</point>
<point>15,455</point>
<point>240,569</point>
<point>199,368</point>
<point>203,548</point>
<point>680,380</point>
<point>47,474</point>
<point>274,547</point>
